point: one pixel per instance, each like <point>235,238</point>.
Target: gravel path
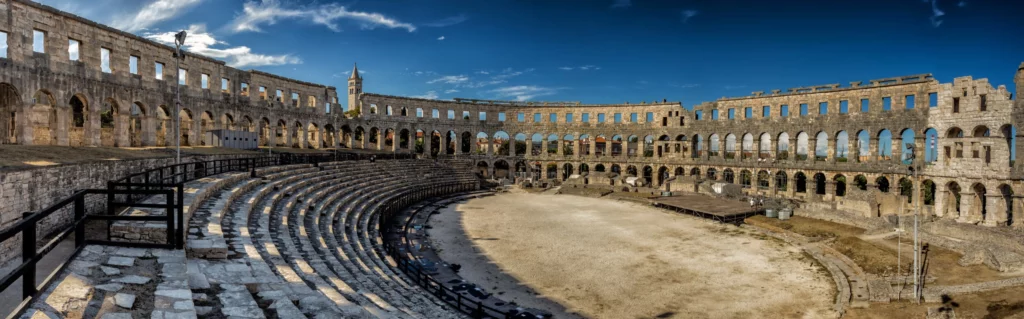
<point>611,259</point>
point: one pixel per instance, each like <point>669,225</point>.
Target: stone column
<point>593,147</point>
<point>832,154</point>
<point>966,208</point>
<point>625,148</point>
<point>897,150</point>
<point>940,202</point>
<point>873,155</point>
<point>994,209</point>
<point>791,149</point>
<point>559,147</point>
<point>427,144</point>
<point>812,148</point>
<point>121,130</point>
<point>576,148</point>
<point>920,150</point>
<point>544,150</point>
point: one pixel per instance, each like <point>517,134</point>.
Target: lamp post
<point>913,171</point>
<point>179,40</point>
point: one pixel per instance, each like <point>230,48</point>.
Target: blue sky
<point>595,51</point>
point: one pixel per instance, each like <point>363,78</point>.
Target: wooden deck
<point>722,210</point>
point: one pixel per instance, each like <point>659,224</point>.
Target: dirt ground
<point>602,258</point>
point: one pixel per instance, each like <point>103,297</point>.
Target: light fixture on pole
<point>179,40</point>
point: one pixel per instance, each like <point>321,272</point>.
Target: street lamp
<point>913,171</point>
<point>179,40</point>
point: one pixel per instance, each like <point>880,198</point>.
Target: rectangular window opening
<point>244,90</point>
<point>844,106</point>
<point>633,118</point>
<point>865,105</point>
<point>552,118</point>
<point>803,109</point>
<point>585,117</point>
<point>105,60</point>
<point>933,99</point>
<point>617,117</point>
<point>784,110</point>
<point>823,108</point>
<point>956,105</point>
<point>521,117</point>
<point>650,117</point>
<point>501,117</point>
<point>748,112</point>
<point>568,117</point>
<point>182,77</point>
<point>3,44</point>
<point>73,46</point>
<point>909,101</point>
<point>158,70</point>
<point>732,114</point>
<point>204,80</point>
<point>983,105</point>
<point>886,103</point>
<point>38,41</point>
<point>225,85</point>
<point>133,64</point>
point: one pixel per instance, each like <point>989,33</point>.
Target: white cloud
<point>345,74</point>
<point>450,79</point>
<point>268,12</point>
<point>431,95</point>
<point>201,42</point>
<point>581,68</point>
<point>153,13</point>
<point>685,86</point>
<point>523,92</point>
<point>936,14</point>
<point>440,38</point>
<point>483,72</point>
<point>451,91</point>
<point>453,20</point>
<point>621,3</point>
<point>687,14</point>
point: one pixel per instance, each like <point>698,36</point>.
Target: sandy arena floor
<point>602,258</point>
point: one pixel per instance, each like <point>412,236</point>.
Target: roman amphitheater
<point>796,203</point>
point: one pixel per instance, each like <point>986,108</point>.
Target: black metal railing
<point>475,308</point>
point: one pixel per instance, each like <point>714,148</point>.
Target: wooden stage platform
<point>722,210</point>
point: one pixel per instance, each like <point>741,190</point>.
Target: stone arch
<point>227,121</point>
<point>163,125</point>
<point>679,171</point>
<point>435,143</point>
<point>840,185</point>
<point>979,206</point>
<point>1009,133</point>
<point>206,124</point>
<point>730,146</point>
<point>108,123</point>
<point>763,179</point>
<point>599,167</point>
<point>536,144</point>
<point>782,146</point>
<point>465,147</point>
<point>764,146</point>
<point>483,143</point>
<point>931,145</point>
<point>616,147</point>
<point>42,118</point>
<point>389,139</point>
<point>728,176</point>
<point>568,144</point>
<point>746,178</point>
<point>800,182</point>
<point>712,173</point>
<point>842,147</point>
<point>631,170</point>
<point>520,141</point>
<point>861,182</point>
<point>648,145</point>
<point>483,169</point>
<point>247,124</point>
<point>600,145</point>
<point>584,168</point>
<point>585,144</point>
<point>802,141</point>
<point>313,139</point>
<point>648,172</point>
<point>298,132</point>
<point>884,137</point>
<point>927,192</point>
<point>566,171</point>
<point>698,146</point>
<point>185,127</point>
<point>821,148</point>
<point>907,137</point>
<point>330,139</point>
<point>695,172</point>
<point>781,181</point>
<point>403,139</point>
<point>616,169</point>
<point>347,136</point>
<point>10,105</point>
<point>136,120</point>
<point>747,146</point>
<point>405,112</point>
<point>882,183</point>
<point>420,142</point>
<point>1006,194</point>
<point>662,175</point>
<point>80,128</point>
<point>358,137</point>
<point>863,146</point>
<point>451,142</point>
<point>953,199</point>
<point>552,144</point>
<point>374,138</point>
<point>501,169</point>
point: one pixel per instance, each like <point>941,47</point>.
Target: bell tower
<point>355,87</point>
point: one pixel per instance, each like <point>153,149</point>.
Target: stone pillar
<point>791,149</point>
<point>427,144</point>
<point>873,155</point>
<point>966,208</point>
<point>920,150</point>
<point>830,189</point>
<point>512,147</point>
<point>941,196</point>
<point>832,150</point>
<point>1016,209</point>
<point>897,150</point>
<point>559,147</point>
<point>625,148</point>
<point>64,125</point>
<point>812,148</point>
<point>544,150</point>
<point>592,146</point>
<point>576,148</point>
<point>995,209</point>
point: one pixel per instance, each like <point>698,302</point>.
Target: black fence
<point>163,184</point>
<point>414,270</point>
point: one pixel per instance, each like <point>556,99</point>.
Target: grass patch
<point>872,258</point>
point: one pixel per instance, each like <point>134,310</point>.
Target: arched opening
<point>10,105</point>
<point>520,144</point>
<point>599,168</point>
<point>536,144</point>
<point>44,119</point>
<point>552,144</point>
<point>403,139</point>
<point>374,138</point>
<point>648,174</point>
<point>552,171</point>
<point>745,178</point>
<point>483,143</point>
<point>908,147</point>
<point>584,169</point>
<point>727,176</point>
<point>747,147</point>
<point>206,124</point>
<point>800,179</point>
<point>819,184</point>
<point>136,114</point>
<point>163,125</point>
<point>840,182</point>
<point>298,133</point>
<point>980,206</point>
<point>616,169</point>
<point>584,144</point>
<point>1010,136</point>
<point>882,183</point>
<point>500,167</point>
<point>483,169</point>
<point>842,147</point>
<point>421,138</point>
<point>695,172</point>
<point>860,182</point>
<point>884,145</point>
<point>782,147</point>
<point>662,175</point>
<point>1007,195</point>
<point>566,171</point>
<point>435,143</point>
<point>698,146</point>
<point>730,146</point>
<point>616,145</point>
<point>764,146</point>
<point>928,192</point>
<point>631,171</point>
<point>358,137</point>
<point>802,141</point>
<point>79,121</point>
<point>863,146</point>
<point>714,145</point>
<point>679,172</point>
<point>931,145</point>
<point>330,136</point>
<point>347,136</point>
<point>568,145</point>
<point>907,189</point>
<point>599,145</point>
<point>781,181</point>
<point>313,136</point>
<point>953,200</point>
<point>821,146</point>
<point>763,179</point>
<point>185,127</point>
<point>712,173</point>
<point>648,145</point>
<point>501,143</point>
<point>108,123</point>
<point>450,142</point>
<point>464,148</point>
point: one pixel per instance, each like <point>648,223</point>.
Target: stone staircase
<point>298,241</point>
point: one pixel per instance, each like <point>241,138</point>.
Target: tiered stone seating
<point>298,241</point>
